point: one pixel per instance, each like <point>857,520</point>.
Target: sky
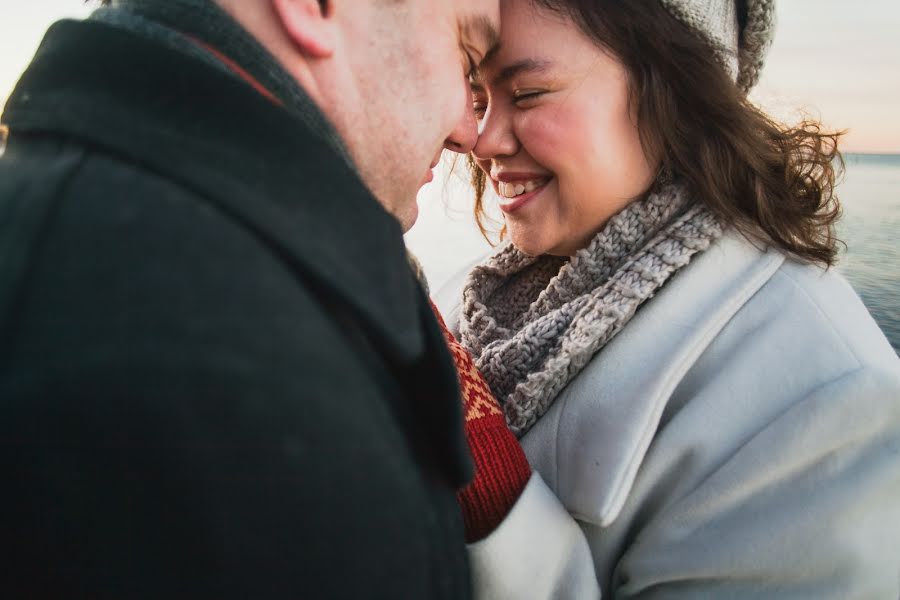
<point>835,60</point>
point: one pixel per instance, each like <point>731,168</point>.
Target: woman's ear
<point>310,25</point>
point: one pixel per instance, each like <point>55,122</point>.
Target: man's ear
<point>310,24</point>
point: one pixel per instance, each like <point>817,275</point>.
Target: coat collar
<point>216,135</point>
<point>591,443</point>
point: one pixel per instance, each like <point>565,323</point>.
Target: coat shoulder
<point>804,328</point>
<point>837,312</point>
<point>737,338</point>
<point>125,257</point>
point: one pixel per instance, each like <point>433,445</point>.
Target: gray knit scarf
<point>533,323</point>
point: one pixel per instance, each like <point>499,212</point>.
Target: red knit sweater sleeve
<point>501,468</point>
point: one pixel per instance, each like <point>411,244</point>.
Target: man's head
<point>391,76</point>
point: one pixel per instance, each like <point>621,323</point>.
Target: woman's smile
<point>517,189</point>
<point>557,134</point>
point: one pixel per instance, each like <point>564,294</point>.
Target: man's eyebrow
<point>482,27</point>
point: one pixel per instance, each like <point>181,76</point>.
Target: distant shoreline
<point>873,155</point>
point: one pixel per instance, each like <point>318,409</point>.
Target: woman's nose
<point>495,136</point>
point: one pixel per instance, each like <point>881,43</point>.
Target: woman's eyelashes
<point>526,98</point>
<point>522,99</point>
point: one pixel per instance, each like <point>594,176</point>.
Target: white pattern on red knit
<point>501,469</point>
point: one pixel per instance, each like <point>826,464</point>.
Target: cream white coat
<point>740,438</point>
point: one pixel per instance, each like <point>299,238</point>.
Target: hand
<point>501,468</point>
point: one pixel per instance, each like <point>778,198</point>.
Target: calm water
<point>445,239</point>
<point>870,194</point>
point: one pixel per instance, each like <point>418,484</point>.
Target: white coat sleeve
<point>538,552</point>
<point>808,507</point>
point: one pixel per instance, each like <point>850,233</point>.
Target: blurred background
<point>832,60</point>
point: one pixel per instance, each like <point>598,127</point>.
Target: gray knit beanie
<point>740,32</point>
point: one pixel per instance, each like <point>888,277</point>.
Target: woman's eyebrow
<point>527,65</point>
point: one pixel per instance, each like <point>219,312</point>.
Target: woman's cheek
<point>545,136</point>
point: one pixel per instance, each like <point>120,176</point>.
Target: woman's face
<point>557,134</point>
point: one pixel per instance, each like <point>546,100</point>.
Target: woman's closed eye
<point>521,98</point>
<point>526,98</point>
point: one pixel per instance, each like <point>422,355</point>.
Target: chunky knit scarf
<point>533,323</point>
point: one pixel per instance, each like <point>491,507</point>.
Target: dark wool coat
<point>218,377</point>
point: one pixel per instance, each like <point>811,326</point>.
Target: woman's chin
<point>528,244</point>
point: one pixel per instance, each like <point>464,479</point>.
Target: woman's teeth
<point>511,190</point>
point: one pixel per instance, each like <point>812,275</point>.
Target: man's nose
<point>464,136</point>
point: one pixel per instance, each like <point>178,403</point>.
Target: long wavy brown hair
<point>773,183</point>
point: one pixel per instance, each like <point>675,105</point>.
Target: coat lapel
<point>591,443</point>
